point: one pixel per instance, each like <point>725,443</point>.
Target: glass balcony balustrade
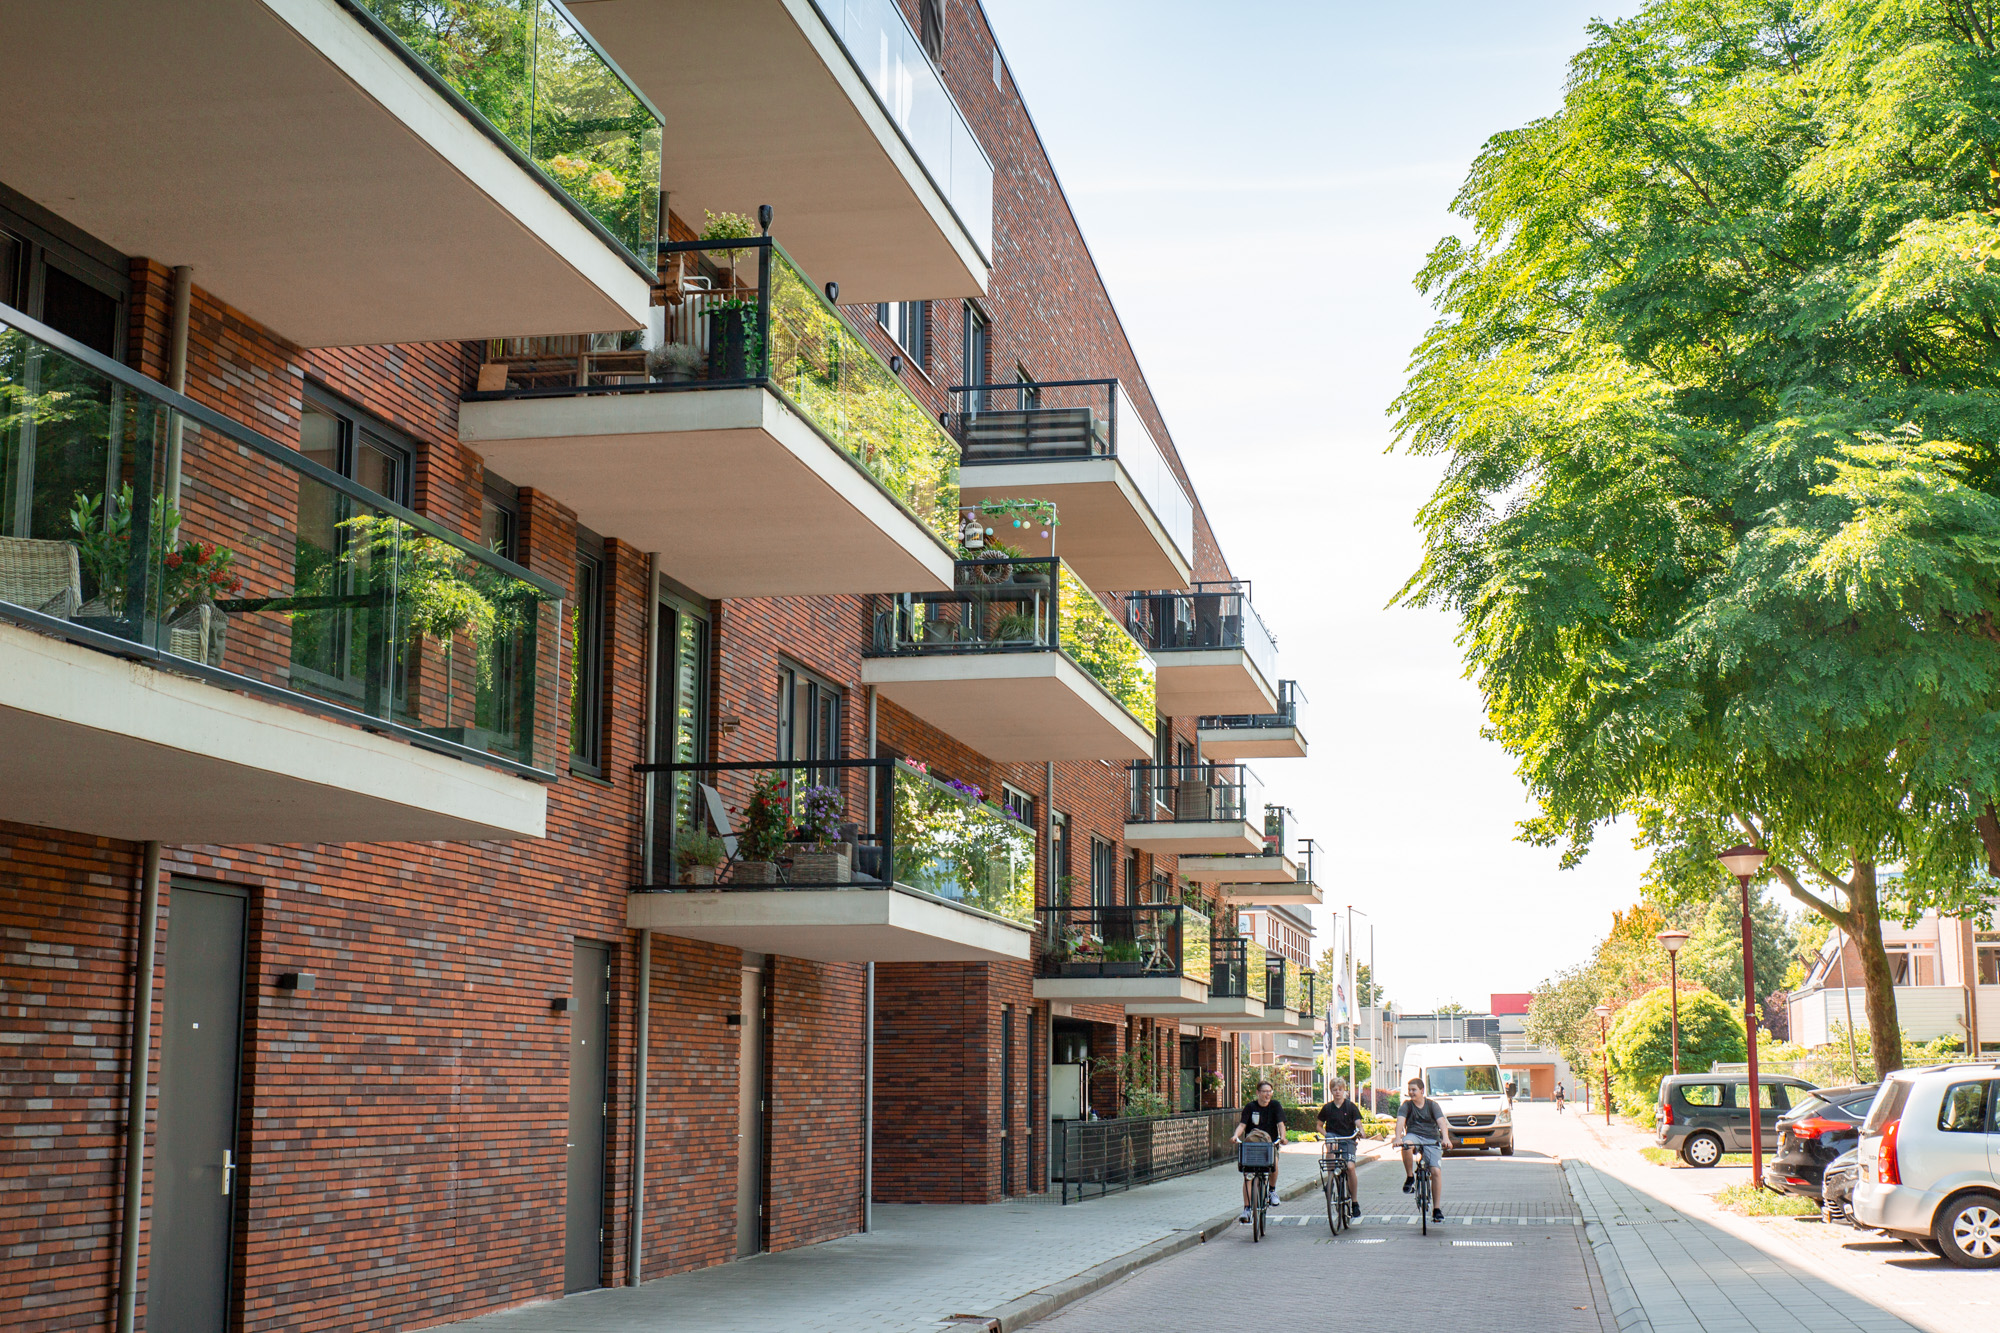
<point>1059,421</point>
<point>1212,615</point>
<point>1153,940</point>
<point>529,73</point>
<point>1006,606</point>
<point>1240,969</point>
<point>1285,984</point>
<point>1290,696</point>
<point>878,39</point>
<point>1193,794</point>
<point>133,519</point>
<point>798,826</point>
<point>740,314</point>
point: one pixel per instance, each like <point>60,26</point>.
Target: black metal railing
<point>1099,1156</point>
<point>1021,605</point>
<point>1290,696</point>
<point>1284,984</point>
<point>1208,616</point>
<point>1147,940</point>
<point>1057,420</point>
<point>1275,817</point>
<point>807,825</point>
<point>1239,969</point>
<point>1192,793</point>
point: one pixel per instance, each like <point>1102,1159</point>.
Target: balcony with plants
<point>843,860</point>
<point>1257,735</point>
<point>326,666</point>
<point>835,115</point>
<point>1157,953</point>
<point>1235,997</point>
<point>1214,654</point>
<point>349,172</point>
<point>753,422</point>
<point>1195,810</point>
<point>1126,521</point>
<point>1019,661</point>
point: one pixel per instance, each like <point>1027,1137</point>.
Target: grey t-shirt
<point>1424,1122</point>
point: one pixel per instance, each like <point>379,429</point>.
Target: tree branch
<point>1843,919</point>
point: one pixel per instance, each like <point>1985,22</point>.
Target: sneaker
<point>1246,1216</point>
<point>1437,1214</point>
<point>1354,1209</point>
<point>1409,1184</point>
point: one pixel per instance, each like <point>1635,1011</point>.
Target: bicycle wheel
<point>1345,1199</point>
<point>1424,1199</point>
<point>1261,1197</point>
<point>1332,1189</point>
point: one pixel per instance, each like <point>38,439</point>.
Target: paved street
<point>1512,1246</point>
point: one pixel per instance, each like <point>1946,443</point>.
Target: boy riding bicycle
<point>1340,1121</point>
<point>1263,1121</point>
<point>1421,1127</point>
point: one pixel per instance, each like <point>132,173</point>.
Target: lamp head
<point>1743,860</point>
<point>1603,1011</point>
<point>1672,940</point>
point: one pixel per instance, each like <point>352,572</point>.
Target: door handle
<point>228,1170</point>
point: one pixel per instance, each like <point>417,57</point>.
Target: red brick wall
<point>818,1100</point>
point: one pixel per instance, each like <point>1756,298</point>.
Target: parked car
<point>1702,1116</point>
<point>1813,1133</point>
<point>1930,1162</point>
<point>1836,1196</point>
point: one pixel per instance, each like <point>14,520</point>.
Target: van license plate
<point>1472,1142</point>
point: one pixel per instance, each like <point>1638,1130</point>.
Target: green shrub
<point>1641,1041</point>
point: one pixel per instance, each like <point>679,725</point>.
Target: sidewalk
<point>921,1266</point>
<point>1674,1263</point>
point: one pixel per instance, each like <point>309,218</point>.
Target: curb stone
<point>1045,1301</point>
<point>1626,1308</point>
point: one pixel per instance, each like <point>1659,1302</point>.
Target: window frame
<point>586,715</point>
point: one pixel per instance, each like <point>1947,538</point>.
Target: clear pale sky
<point>1259,182</point>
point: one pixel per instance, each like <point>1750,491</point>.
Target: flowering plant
<point>765,821</point>
<point>966,789</point>
<point>820,809</point>
<point>182,573</point>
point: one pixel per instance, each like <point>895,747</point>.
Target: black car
<point>1836,1198</point>
<point>1813,1133</point>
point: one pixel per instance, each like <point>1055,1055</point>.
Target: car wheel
<point>1927,1245</point>
<point>1507,1151</point>
<point>1701,1150</point>
<point>1968,1231</point>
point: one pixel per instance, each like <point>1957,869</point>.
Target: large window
<point>906,322</point>
<point>586,658</point>
<point>1103,873</point>
<point>1059,874</point>
<point>978,354</point>
<point>501,687</point>
<point>809,718</point>
<point>682,706</point>
<point>1987,942</point>
<point>69,281</point>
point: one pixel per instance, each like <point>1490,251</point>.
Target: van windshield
<point>1458,1080</point>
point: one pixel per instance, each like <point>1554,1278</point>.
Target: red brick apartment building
<point>543,738</point>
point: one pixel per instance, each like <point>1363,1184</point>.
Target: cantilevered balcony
<point>1213,653</point>
<point>1269,865</point>
<point>1259,881</point>
<point>1123,519</point>
<point>1257,735</point>
<point>1193,810</point>
<point>1236,990</point>
<point>1020,661</point>
<point>759,446</point>
<point>829,111</point>
<point>1291,998</point>
<point>208,637</point>
<point>854,860</point>
<point>1149,954</point>
<point>345,171</point>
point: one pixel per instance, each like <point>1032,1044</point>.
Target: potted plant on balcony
<point>735,351</point>
<point>1122,958</point>
<point>765,822</point>
<point>697,853</point>
<point>818,855</point>
<point>727,227</point>
<point>1014,627</point>
<point>676,363</point>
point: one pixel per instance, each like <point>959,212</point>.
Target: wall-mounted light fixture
<point>764,218</point>
<point>833,292</point>
<point>895,365</point>
<point>298,981</point>
<point>559,1004</point>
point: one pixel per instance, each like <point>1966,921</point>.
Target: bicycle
<point>1423,1174</point>
<point>1333,1182</point>
<point>1256,1160</point>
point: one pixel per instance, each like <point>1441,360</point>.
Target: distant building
<point>1946,973</point>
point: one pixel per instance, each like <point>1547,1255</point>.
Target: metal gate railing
<point>1108,1155</point>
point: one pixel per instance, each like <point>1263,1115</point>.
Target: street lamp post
<point>1743,861</point>
<point>1672,940</point>
<point>1603,1012</point>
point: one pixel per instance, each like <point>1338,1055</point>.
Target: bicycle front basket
<point>1256,1156</point>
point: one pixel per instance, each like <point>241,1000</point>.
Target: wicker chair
<point>41,575</point>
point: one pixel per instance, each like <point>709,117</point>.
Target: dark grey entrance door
<point>194,1162</point>
<point>589,1024</point>
<point>750,1115</point>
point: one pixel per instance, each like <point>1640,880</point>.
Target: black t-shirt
<point>1270,1119</point>
<point>1343,1119</point>
<point>1424,1121</point>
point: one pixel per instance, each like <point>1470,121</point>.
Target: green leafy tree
<point>1332,966</point>
<point>1641,1044</point>
<point>1713,955</point>
<point>1713,383</point>
<point>1362,1065</point>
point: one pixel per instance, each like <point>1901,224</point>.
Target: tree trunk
<point>1885,1033</point>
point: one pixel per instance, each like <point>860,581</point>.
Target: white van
<point>1464,1076</point>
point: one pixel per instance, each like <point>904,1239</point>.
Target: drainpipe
<point>635,1258</point>
<point>140,1060</point>
<point>868,1016</point>
<point>177,373</point>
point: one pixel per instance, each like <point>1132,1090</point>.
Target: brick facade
<point>403,1124</point>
